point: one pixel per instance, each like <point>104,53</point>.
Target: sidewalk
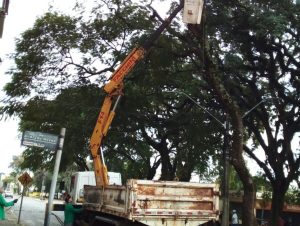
<point>11,219</point>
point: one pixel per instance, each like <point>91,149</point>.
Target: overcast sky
<point>21,16</point>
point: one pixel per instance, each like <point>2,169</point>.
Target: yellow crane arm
<point>104,120</point>
<point>128,64</point>
<point>95,143</point>
<point>114,88</point>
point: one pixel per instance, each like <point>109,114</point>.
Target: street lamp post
<point>225,129</point>
<point>225,216</point>
<point>201,107</point>
<point>256,105</point>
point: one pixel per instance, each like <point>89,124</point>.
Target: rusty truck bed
<point>157,203</point>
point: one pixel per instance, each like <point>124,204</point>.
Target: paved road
<point>33,212</point>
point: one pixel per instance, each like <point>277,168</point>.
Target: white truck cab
<point>79,179</point>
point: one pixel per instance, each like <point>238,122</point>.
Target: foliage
<point>256,46</point>
<point>234,181</point>
<point>17,170</point>
<point>42,178</point>
<point>16,164</point>
<point>250,61</point>
<point>8,180</point>
<point>293,196</point>
<point>250,49</point>
<point>262,184</point>
<point>62,61</point>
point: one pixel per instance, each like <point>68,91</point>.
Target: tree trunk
<point>277,202</point>
<point>212,76</point>
<point>237,160</point>
<point>152,170</point>
<point>167,171</point>
<point>248,216</point>
<point>166,167</point>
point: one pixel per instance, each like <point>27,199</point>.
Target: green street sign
<point>41,140</point>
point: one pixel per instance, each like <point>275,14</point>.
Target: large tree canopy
<point>62,62</point>
<point>255,50</point>
<point>244,56</point>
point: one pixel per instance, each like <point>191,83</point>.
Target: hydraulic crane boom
<point>114,89</point>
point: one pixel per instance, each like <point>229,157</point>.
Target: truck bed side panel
<point>157,202</point>
<point>112,199</point>
<point>172,201</point>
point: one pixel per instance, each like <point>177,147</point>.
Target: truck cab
<point>79,179</point>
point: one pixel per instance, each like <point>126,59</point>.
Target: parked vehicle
<point>152,203</point>
<point>8,194</point>
<point>79,179</point>
<point>144,201</point>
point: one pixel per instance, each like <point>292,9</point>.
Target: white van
<point>79,179</point>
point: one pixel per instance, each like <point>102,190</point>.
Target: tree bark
<point>236,153</point>
<point>166,166</point>
<point>279,189</point>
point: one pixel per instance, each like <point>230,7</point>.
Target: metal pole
<point>54,178</point>
<point>225,215</point>
<point>43,187</point>
<point>23,192</point>
<point>1,183</point>
<point>226,127</point>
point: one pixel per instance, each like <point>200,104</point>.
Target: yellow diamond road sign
<point>25,179</point>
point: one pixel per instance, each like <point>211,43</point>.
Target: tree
<point>265,71</point>
<point>229,63</point>
<point>17,169</point>
<point>253,51</point>
<point>206,62</point>
<point>42,178</point>
<point>293,196</point>
<point>6,181</point>
<point>61,89</point>
<point>74,109</point>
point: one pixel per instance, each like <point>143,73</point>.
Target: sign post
<point>51,142</point>
<point>25,180</point>
<point>54,177</point>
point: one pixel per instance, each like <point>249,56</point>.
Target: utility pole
<point>225,215</point>
<point>225,181</point>
<point>54,178</point>
<point>226,156</point>
<point>3,13</point>
<point>43,185</point>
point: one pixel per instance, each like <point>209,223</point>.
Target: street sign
<point>25,179</point>
<point>41,140</point>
